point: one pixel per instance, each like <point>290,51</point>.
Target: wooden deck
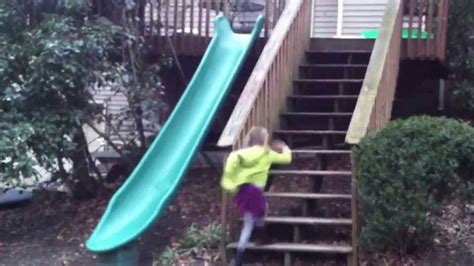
<point>188,25</point>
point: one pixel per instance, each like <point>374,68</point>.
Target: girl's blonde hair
<point>256,136</point>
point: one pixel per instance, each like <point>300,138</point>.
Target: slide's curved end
<point>95,243</point>
<point>222,25</point>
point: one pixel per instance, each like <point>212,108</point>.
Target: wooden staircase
<point>322,98</point>
<point>314,124</point>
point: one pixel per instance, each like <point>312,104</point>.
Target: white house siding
<point>361,15</point>
<point>114,104</point>
<point>357,16</point>
<point>324,18</point>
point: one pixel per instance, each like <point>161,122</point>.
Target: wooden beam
<point>410,41</point>
<point>429,44</point>
<point>355,215</point>
<point>443,26</point>
<point>420,44</point>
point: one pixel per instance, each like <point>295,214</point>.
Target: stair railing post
<point>355,214</point>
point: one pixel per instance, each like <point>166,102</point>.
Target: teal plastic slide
<point>146,193</point>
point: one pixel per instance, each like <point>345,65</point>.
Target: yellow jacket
<point>251,165</point>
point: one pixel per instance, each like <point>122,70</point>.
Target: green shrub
<point>460,57</point>
<point>193,242</point>
<point>208,237</point>
<point>404,172</point>
<point>167,257</point>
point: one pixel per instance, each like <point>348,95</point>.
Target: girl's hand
<point>279,145</point>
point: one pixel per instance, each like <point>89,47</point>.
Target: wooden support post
<point>345,74</point>
<point>349,260</point>
<point>420,44</point>
<point>126,255</point>
<point>208,18</point>
<point>410,42</point>
<point>296,233</point>
<point>316,183</point>
<point>211,164</point>
<point>331,123</point>
<point>337,105</point>
<point>175,21</point>
<point>222,246</point>
<point>340,92</point>
<point>287,259</point>
<point>305,208</point>
<point>355,214</point>
<point>325,142</point>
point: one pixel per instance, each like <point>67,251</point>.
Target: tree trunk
<point>140,128</point>
<point>107,8</point>
<point>83,185</point>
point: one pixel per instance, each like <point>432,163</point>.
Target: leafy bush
<point>404,172</point>
<point>48,58</point>
<point>54,57</point>
<point>208,237</point>
<point>461,56</point>
<point>463,98</point>
<point>167,257</point>
<point>194,242</point>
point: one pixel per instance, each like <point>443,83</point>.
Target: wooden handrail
<point>265,93</point>
<point>374,104</point>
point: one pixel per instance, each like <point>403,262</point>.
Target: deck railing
<point>431,18</point>
<point>265,93</point>
<point>188,25</point>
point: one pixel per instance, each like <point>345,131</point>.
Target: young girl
<point>246,174</point>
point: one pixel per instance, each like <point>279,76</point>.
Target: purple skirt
<point>250,199</point>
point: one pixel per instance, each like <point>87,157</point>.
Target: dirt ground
<point>53,232</point>
<point>451,245</point>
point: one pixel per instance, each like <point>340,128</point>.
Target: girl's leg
<point>249,223</point>
<point>271,177</point>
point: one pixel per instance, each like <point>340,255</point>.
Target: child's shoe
<point>239,257</point>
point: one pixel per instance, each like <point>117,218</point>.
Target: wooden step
<point>332,71</point>
<point>304,120</point>
<point>339,51</point>
<point>318,148</point>
<point>313,101</point>
<point>316,114</point>
<point>310,173</point>
<point>306,220</point>
<point>328,80</point>
<point>338,56</point>
<point>309,132</point>
<point>323,97</point>
<point>323,152</point>
<point>296,247</point>
<point>333,65</point>
<point>295,195</point>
